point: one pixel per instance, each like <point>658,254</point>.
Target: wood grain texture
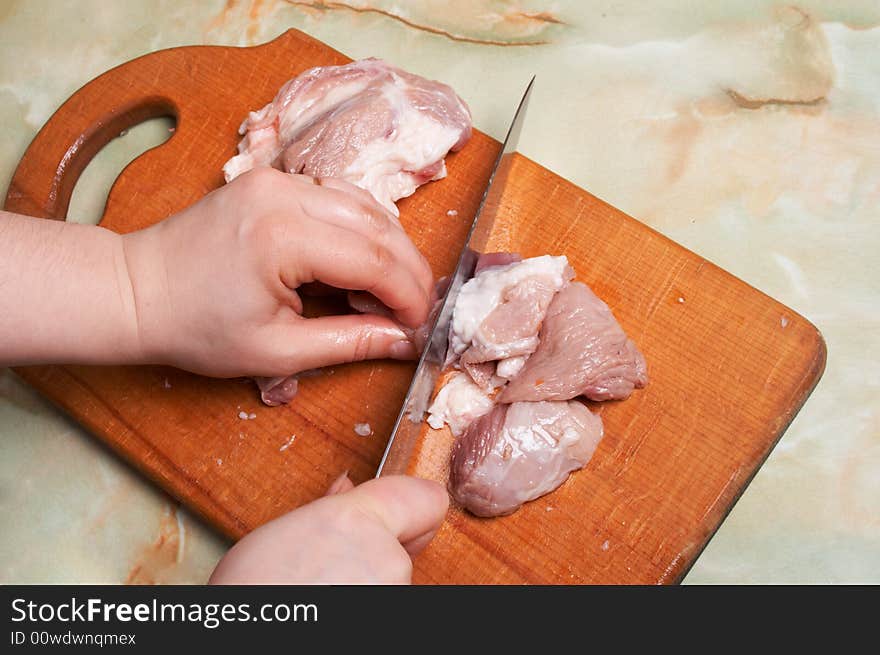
<point>727,372</point>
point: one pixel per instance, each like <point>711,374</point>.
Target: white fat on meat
<point>498,314</point>
<point>457,404</point>
<point>384,168</point>
<point>509,367</point>
<point>369,123</point>
<point>480,295</point>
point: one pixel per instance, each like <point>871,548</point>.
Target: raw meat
<point>498,314</point>
<point>523,328</point>
<point>277,390</point>
<point>367,122</point>
<point>583,351</point>
<point>519,452</point>
<point>490,259</point>
<point>457,404</point>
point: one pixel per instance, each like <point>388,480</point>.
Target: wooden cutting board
<point>729,366</point>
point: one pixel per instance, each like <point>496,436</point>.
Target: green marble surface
<point>748,131</point>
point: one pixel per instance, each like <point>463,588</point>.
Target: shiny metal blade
<point>407,428</point>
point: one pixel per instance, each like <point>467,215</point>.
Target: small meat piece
<point>457,404</point>
<point>509,333</point>
<point>498,314</point>
<point>278,390</point>
<point>490,259</point>
<point>519,452</point>
<point>366,303</point>
<point>368,123</point>
<point>583,351</point>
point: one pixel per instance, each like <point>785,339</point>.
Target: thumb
<point>317,342</point>
<point>410,508</point>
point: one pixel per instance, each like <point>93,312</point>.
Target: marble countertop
<point>748,131</point>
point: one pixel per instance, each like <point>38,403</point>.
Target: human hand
<point>215,285</point>
<point>354,535</point>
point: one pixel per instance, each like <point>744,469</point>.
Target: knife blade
<point>407,427</point>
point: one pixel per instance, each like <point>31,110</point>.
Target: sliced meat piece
<point>583,351</point>
<point>519,452</point>
<point>490,259</point>
<point>278,390</point>
<point>457,404</point>
<point>484,373</point>
<point>367,122</point>
<point>498,314</point>
<point>509,334</point>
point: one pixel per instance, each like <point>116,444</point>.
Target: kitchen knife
<point>407,428</point>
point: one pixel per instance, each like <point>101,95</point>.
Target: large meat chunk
<point>368,123</point>
<point>583,351</point>
<point>519,452</point>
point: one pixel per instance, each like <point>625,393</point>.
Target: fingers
<point>379,228</point>
<point>316,342</point>
<point>350,207</point>
<point>344,259</point>
<point>346,239</point>
<point>413,546</point>
<point>412,509</point>
<point>365,197</point>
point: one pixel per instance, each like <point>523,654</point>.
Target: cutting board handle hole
<point>90,191</point>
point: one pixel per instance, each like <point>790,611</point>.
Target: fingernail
<point>402,350</point>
